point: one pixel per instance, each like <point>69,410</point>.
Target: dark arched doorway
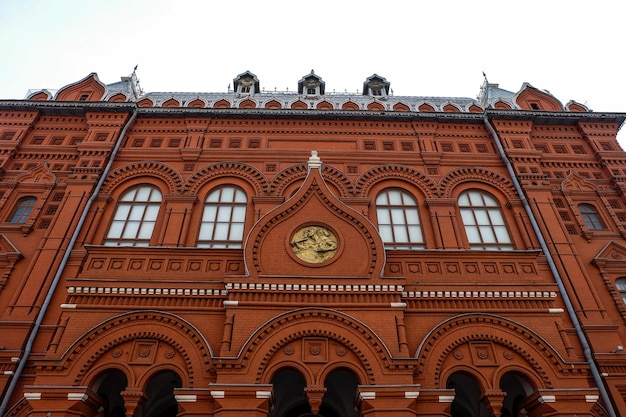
<point>159,393</point>
<point>517,388</point>
<point>109,386</point>
<point>467,395</point>
<point>289,397</point>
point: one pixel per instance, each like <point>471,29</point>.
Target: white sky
<point>573,48</point>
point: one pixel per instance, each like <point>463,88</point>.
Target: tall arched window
<point>135,217</point>
<point>223,218</point>
<point>591,217</point>
<point>621,287</point>
<point>23,209</point>
<point>483,221</point>
<point>398,220</point>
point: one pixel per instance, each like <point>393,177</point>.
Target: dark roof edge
<point>74,108</point>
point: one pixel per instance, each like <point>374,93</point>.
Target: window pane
<point>502,234</point>
<point>239,213</point>
<point>221,231</point>
<point>383,216</point>
<point>122,212</point>
<point>394,198</point>
<point>495,217</point>
<point>412,216</point>
<point>130,232</point>
<point>385,233</point>
<point>487,234</point>
<point>136,212</point>
<point>415,234</point>
<point>472,234</point>
<point>210,213</point>
<point>151,212</point>
<point>400,233</point>
<point>240,197</point>
<point>382,199</point>
<point>115,231</point>
<point>206,231</point>
<point>621,284</point>
<point>145,231</point>
<point>223,214</point>
<point>481,216</point>
<point>227,194</point>
<point>236,231</point>
<point>468,217</point>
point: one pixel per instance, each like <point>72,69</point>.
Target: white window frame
<point>135,217</point>
<point>398,220</point>
<point>484,222</point>
<point>223,218</point>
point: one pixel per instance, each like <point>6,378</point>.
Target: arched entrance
<point>109,386</point>
<point>159,396</point>
<point>467,396</point>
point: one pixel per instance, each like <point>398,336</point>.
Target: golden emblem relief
<point>314,244</point>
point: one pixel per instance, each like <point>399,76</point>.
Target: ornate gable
<point>88,89</point>
<point>575,182</point>
<point>314,234</point>
<point>531,98</point>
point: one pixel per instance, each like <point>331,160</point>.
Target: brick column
<point>241,400</point>
<point>387,400</point>
<point>62,401</point>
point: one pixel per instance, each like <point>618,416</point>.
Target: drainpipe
<point>57,276</point>
<point>559,281</point>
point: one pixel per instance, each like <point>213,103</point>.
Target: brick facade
<point>294,254</point>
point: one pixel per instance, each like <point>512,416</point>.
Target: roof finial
<point>314,161</point>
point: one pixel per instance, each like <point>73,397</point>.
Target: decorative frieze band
<point>244,286</point>
<point>479,294</point>
<point>148,291</point>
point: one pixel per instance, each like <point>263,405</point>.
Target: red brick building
<point>290,254</point>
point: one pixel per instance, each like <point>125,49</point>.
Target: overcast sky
<point>573,48</point>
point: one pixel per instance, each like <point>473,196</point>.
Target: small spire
<point>314,161</point>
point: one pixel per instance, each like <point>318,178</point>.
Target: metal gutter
<point>557,276</point>
<point>57,277</point>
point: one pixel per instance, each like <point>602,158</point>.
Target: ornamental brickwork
<point>306,253</point>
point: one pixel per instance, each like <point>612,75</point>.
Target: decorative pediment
<point>531,98</point>
<point>9,256</point>
<point>613,255</point>
<point>41,174</point>
<point>575,182</point>
<point>314,234</point>
<point>88,89</point>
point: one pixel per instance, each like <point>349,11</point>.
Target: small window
<point>591,217</point>
<point>223,219</point>
<point>377,91</point>
<point>135,217</point>
<point>621,287</point>
<point>311,91</point>
<point>23,209</point>
<point>398,220</point>
<point>483,221</point>
<point>83,97</point>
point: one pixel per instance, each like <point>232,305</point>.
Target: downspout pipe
<point>557,276</point>
<point>57,277</point>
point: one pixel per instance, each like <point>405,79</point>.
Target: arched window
<point>160,400</point>
<point>467,395</point>
<point>23,209</point>
<point>621,287</point>
<point>398,220</point>
<point>223,218</point>
<point>135,217</point>
<point>483,221</point>
<point>591,217</point>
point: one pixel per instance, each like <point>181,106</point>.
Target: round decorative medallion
<point>314,244</point>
